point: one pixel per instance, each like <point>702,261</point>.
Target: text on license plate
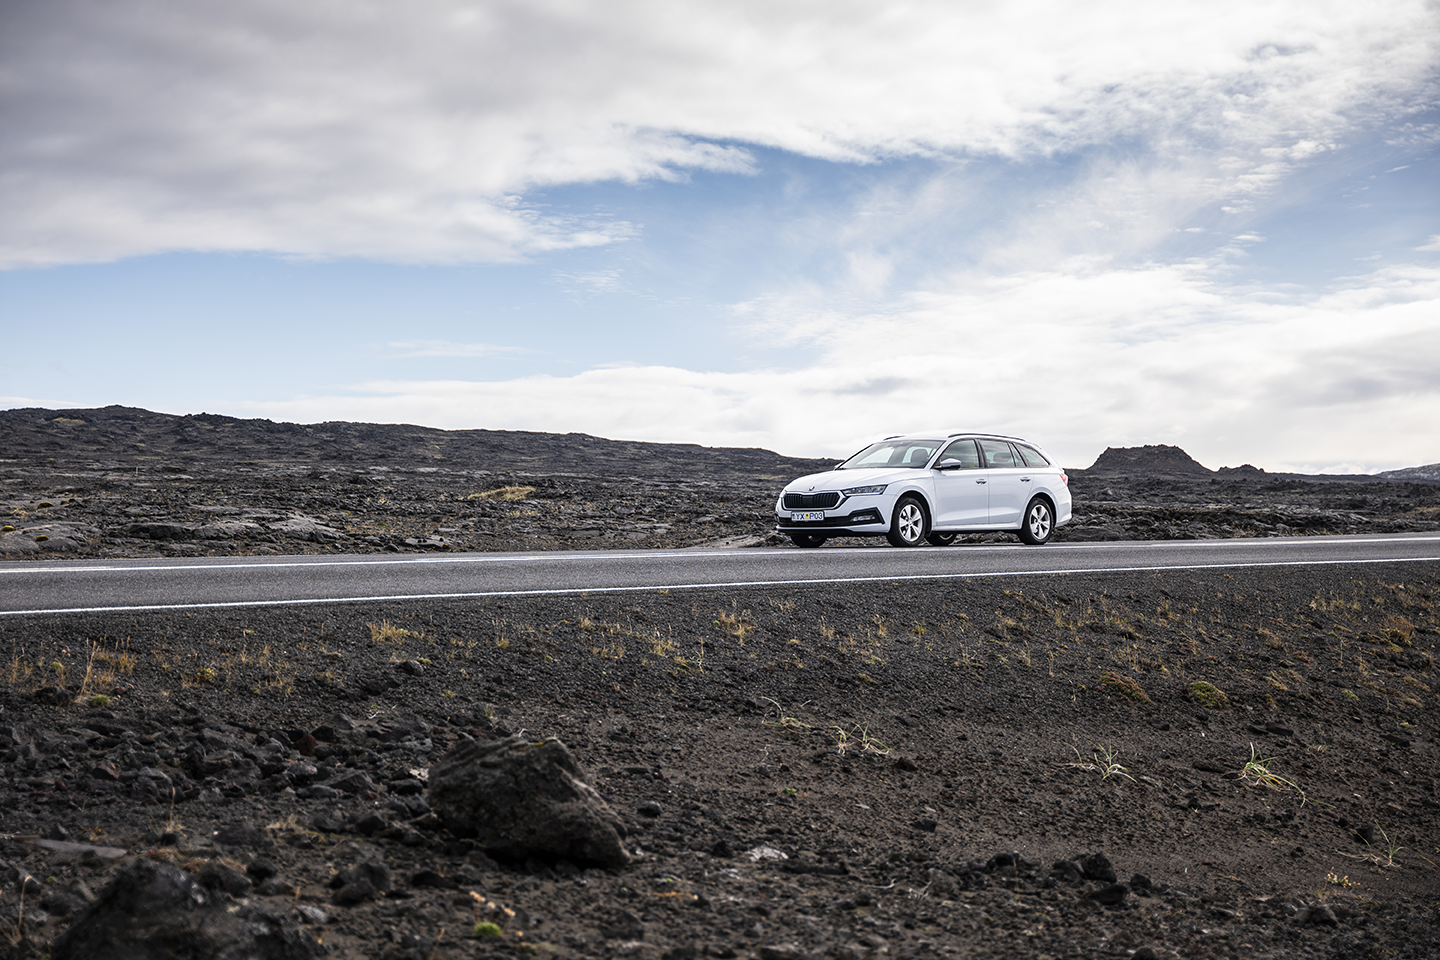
<point>808,515</point>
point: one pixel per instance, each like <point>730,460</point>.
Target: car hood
<point>845,479</point>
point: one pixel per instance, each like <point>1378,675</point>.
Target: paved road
<point>104,585</point>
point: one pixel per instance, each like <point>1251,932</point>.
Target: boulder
<point>155,910</point>
<point>159,530</point>
<point>226,529</point>
<point>17,545</point>
<point>305,528</point>
<point>523,799</point>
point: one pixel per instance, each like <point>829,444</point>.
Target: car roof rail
<point>991,436</point>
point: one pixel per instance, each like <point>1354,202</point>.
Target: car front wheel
<point>807,539</point>
<point>1039,522</point>
<point>909,524</point>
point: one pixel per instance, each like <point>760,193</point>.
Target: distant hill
<point>1431,471</point>
<point>1149,460</point>
<point>132,435</point>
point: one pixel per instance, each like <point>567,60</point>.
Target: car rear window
<point>997,453</point>
<point>1032,456</point>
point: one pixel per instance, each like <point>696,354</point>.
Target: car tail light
<point>1065,478</point>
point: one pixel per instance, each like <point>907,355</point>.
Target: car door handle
<point>982,481</point>
<point>1024,479</point>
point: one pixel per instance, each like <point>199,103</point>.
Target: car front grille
<point>809,501</point>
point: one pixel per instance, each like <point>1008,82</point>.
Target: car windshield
<point>893,453</point>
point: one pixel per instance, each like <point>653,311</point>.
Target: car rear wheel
<point>941,539</point>
<point>909,524</point>
<point>807,539</point>
<point>1039,522</point>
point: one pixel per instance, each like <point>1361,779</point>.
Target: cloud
<point>421,132</point>
<point>1078,362</point>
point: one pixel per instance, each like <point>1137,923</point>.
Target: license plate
<point>807,515</point>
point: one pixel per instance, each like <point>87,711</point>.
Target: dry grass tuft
<point>503,493</point>
<point>387,632</point>
<point>1125,686</point>
<point>736,623</point>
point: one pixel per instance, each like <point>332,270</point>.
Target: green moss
<point>1208,695</point>
<point>486,929</point>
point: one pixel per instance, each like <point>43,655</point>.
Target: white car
<point>930,487</point>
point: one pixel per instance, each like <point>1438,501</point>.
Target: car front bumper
<point>859,522</point>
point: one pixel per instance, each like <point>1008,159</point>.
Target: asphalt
<point>56,587</point>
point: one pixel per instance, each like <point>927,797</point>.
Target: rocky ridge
<point>162,496</point>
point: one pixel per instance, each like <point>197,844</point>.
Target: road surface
<point>54,587</point>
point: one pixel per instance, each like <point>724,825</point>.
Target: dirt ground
<point>1197,764</point>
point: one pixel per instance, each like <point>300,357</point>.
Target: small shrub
<point>41,539</point>
<point>1257,771</point>
<point>1125,686</point>
<point>1103,760</point>
<point>203,676</point>
<point>486,929</point>
<point>99,700</point>
<point>1208,695</point>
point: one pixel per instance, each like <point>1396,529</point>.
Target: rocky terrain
<point>1196,764</point>
<point>120,482</point>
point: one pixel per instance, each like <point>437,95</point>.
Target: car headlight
<point>865,491</point>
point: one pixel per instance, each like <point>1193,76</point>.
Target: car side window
<point>960,455</point>
<point>996,453</point>
<point>918,455</point>
<point>1032,456</point>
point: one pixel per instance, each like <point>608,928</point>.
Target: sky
<point>792,225</point>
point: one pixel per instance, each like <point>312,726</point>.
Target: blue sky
<point>794,226</point>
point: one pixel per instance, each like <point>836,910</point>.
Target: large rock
<point>1150,460</point>
<point>305,528</point>
<point>154,910</point>
<point>159,530</point>
<point>520,799</point>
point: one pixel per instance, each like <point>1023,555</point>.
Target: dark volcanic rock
<point>522,799</point>
<point>154,910</point>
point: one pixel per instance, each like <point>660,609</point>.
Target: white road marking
<point>561,591</point>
